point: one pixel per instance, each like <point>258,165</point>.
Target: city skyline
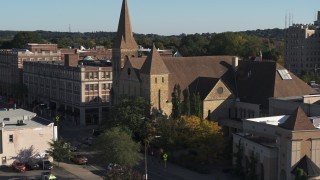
<point>155,17</point>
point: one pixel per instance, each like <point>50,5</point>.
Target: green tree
<point>59,150</point>
<point>194,45</point>
<point>116,146</point>
<point>130,113</point>
<point>186,102</point>
<point>176,102</point>
<point>196,107</point>
<point>21,39</point>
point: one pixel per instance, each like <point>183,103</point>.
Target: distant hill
<point>5,35</point>
<point>278,34</point>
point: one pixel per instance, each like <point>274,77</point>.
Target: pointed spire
<point>154,64</point>
<point>298,121</point>
<point>124,38</point>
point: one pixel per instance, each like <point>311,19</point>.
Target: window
<point>155,80</point>
<point>95,74</point>
<point>11,138</point>
<point>295,149</point>
<point>315,153</point>
<point>162,79</point>
<point>96,87</point>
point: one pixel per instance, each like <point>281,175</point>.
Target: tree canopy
<point>116,146</point>
<point>130,113</point>
<point>59,150</point>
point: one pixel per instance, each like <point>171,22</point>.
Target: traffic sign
<point>57,118</point>
<point>165,156</point>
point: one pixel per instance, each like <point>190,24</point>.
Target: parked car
<point>18,166</point>
<point>112,166</point>
<point>45,164</point>
<point>32,165</point>
<point>79,159</point>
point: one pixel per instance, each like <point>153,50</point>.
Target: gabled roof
<point>185,70</point>
<point>258,81</point>
<point>308,166</point>
<point>203,86</point>
<point>298,121</point>
<point>124,38</point>
<point>154,64</point>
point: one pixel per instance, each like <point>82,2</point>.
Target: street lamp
<point>145,157</point>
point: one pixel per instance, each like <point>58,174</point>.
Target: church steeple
<point>154,64</point>
<point>124,39</point>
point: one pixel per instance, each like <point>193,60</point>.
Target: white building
<point>23,135</point>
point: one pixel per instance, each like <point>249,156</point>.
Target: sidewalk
<point>79,171</point>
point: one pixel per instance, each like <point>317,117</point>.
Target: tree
<point>176,102</point>
<point>116,146</point>
<point>196,107</point>
<point>201,135</point>
<point>186,102</point>
<point>59,150</point>
<point>21,39</point>
<point>130,113</point>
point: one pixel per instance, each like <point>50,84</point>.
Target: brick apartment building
<point>11,64</point>
<point>79,92</point>
<point>302,47</point>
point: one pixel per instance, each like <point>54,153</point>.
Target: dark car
<point>18,166</point>
<point>32,165</point>
<point>79,159</point>
<point>45,164</point>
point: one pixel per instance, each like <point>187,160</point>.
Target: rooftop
<point>20,119</point>
<point>272,120</point>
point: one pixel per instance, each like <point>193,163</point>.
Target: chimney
<point>71,59</point>
<point>235,61</point>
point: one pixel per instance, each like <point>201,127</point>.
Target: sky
<point>163,17</point>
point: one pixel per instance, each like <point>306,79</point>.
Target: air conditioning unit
<point>20,122</point>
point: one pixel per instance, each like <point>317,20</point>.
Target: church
<point>221,81</point>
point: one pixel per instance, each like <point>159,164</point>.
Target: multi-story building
<point>11,64</point>
<point>274,147</point>
<point>221,81</point>
<point>80,92</point>
<point>24,135</point>
<point>302,47</point>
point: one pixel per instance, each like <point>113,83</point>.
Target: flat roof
<point>271,120</point>
<point>30,120</point>
<point>14,113</point>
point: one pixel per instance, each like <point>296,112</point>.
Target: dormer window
<point>129,71</point>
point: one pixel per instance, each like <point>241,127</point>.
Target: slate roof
<point>124,38</point>
<point>298,121</point>
<point>308,166</point>
<point>203,86</point>
<point>154,64</point>
<point>258,81</point>
<point>187,70</point>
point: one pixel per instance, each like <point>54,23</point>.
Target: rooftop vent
<point>20,122</point>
